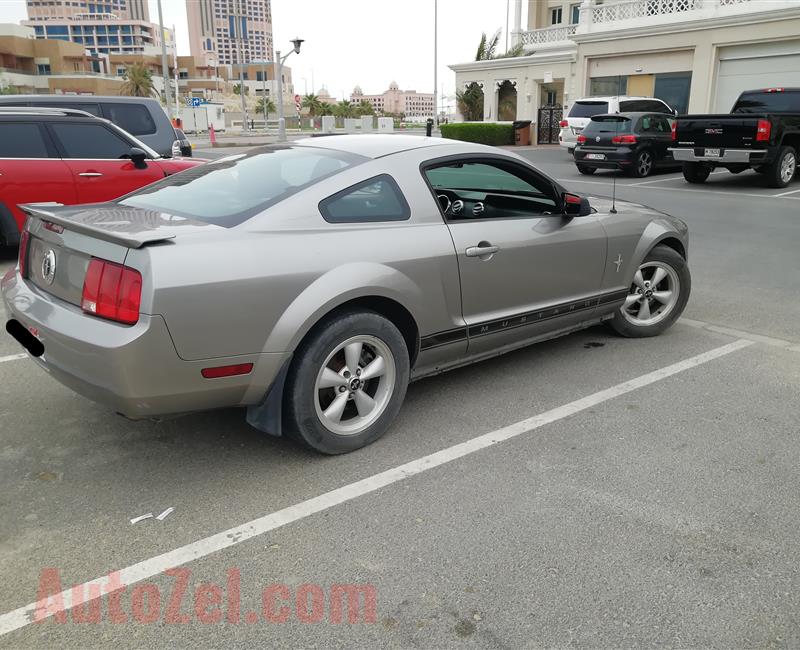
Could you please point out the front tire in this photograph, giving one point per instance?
(586, 171)
(657, 296)
(781, 172)
(696, 173)
(346, 383)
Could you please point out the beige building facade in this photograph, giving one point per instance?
(697, 55)
(395, 100)
(230, 31)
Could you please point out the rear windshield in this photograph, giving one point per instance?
(610, 124)
(134, 118)
(587, 109)
(787, 101)
(229, 191)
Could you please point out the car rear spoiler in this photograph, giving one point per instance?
(99, 230)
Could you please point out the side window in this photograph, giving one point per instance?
(632, 106)
(134, 118)
(655, 106)
(501, 190)
(377, 199)
(647, 124)
(660, 124)
(93, 141)
(22, 140)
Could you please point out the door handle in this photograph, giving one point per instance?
(481, 250)
(90, 174)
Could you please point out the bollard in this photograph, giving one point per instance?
(429, 127)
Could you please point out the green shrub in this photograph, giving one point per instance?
(481, 132)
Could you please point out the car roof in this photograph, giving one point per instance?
(631, 115)
(39, 111)
(76, 99)
(372, 145)
(622, 98)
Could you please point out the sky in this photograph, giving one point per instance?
(364, 42)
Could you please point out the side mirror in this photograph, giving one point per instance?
(138, 158)
(575, 205)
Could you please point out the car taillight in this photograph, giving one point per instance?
(24, 240)
(581, 138)
(623, 139)
(112, 291)
(563, 124)
(674, 131)
(763, 130)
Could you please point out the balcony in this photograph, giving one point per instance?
(614, 15)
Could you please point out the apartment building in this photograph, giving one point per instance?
(230, 31)
(394, 100)
(101, 26)
(697, 55)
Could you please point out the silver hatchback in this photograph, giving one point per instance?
(311, 282)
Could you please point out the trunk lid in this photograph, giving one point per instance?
(64, 239)
(723, 131)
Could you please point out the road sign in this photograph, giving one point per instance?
(194, 101)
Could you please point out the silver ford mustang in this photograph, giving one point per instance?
(311, 282)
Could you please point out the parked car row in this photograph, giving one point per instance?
(68, 156)
(762, 132)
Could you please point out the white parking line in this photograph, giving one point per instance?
(13, 357)
(787, 193)
(675, 177)
(732, 194)
(794, 346)
(24, 616)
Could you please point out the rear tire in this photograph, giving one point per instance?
(657, 296)
(586, 171)
(643, 164)
(781, 172)
(696, 173)
(329, 406)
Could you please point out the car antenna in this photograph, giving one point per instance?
(613, 209)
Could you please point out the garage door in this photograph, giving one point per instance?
(746, 67)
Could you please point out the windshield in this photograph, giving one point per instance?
(229, 191)
(588, 108)
(766, 102)
(608, 124)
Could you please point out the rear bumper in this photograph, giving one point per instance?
(132, 370)
(727, 156)
(566, 138)
(616, 158)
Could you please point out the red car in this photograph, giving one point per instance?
(67, 156)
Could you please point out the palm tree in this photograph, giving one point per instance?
(313, 104)
(138, 82)
(265, 104)
(237, 89)
(470, 103)
(344, 108)
(487, 47)
(365, 108)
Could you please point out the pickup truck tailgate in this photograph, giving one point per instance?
(718, 131)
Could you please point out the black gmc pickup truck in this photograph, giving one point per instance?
(762, 132)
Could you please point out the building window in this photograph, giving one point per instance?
(43, 68)
(575, 14)
(555, 16)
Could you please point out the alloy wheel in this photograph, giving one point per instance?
(354, 385)
(788, 167)
(653, 294)
(644, 163)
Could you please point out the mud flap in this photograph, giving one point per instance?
(267, 415)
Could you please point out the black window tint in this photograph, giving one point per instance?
(768, 102)
(631, 106)
(611, 124)
(18, 140)
(134, 118)
(378, 199)
(654, 106)
(587, 109)
(90, 141)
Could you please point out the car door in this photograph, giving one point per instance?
(662, 135)
(30, 172)
(525, 268)
(99, 160)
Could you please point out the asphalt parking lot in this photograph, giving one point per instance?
(589, 491)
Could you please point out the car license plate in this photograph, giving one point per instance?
(596, 156)
(712, 153)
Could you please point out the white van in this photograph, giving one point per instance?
(582, 111)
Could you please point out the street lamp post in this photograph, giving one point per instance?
(435, 57)
(164, 66)
(281, 120)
